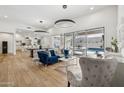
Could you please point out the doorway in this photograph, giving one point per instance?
(4, 47)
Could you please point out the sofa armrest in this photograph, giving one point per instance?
(74, 78)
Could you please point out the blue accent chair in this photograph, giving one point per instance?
(46, 59)
(52, 52)
(66, 53)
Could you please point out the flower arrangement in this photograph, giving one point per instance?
(114, 44)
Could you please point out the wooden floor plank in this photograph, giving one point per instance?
(21, 71)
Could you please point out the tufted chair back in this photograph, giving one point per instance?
(52, 52)
(97, 72)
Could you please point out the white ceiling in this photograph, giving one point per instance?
(32, 14)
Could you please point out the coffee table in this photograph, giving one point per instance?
(66, 60)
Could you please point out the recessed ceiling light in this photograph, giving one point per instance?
(64, 6)
(91, 8)
(5, 16)
(41, 21)
(28, 27)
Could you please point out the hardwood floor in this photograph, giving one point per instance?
(21, 71)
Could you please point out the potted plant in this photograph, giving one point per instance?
(114, 44)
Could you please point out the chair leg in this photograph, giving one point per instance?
(68, 84)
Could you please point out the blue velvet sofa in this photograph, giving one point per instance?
(46, 59)
(52, 52)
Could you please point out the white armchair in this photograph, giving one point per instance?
(92, 73)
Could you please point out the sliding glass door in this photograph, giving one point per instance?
(95, 42)
(69, 41)
(80, 43)
(88, 42)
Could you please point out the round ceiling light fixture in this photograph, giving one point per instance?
(64, 23)
(40, 31)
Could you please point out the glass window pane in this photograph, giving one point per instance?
(80, 43)
(69, 42)
(95, 42)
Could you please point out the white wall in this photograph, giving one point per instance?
(120, 28)
(9, 38)
(10, 27)
(104, 18)
(121, 14)
(20, 37)
(8, 30)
